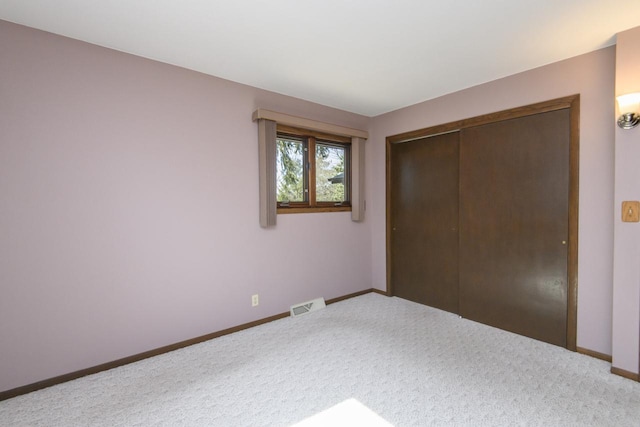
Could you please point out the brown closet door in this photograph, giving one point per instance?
(514, 192)
(424, 221)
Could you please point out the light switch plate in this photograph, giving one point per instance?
(630, 211)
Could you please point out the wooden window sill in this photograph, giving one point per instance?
(313, 209)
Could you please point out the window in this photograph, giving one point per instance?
(312, 171)
(318, 166)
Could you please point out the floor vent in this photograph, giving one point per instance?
(306, 307)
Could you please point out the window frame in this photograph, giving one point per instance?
(266, 127)
(311, 139)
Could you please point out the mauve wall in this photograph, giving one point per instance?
(591, 76)
(129, 209)
(626, 277)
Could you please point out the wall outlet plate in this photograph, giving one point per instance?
(631, 211)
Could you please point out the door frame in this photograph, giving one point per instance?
(569, 102)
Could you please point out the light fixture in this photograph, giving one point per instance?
(629, 106)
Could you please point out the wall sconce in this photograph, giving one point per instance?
(629, 107)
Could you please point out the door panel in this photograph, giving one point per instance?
(424, 221)
(514, 210)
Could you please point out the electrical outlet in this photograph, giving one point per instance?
(631, 211)
(255, 300)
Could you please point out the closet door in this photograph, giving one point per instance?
(514, 214)
(424, 221)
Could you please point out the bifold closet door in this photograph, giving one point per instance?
(424, 221)
(514, 211)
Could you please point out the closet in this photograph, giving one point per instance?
(482, 219)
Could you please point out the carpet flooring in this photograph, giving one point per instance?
(370, 360)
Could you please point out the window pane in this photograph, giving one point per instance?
(330, 172)
(290, 170)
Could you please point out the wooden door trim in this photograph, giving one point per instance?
(573, 104)
(572, 261)
(527, 110)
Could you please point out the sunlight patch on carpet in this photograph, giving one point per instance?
(347, 413)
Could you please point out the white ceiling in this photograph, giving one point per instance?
(363, 56)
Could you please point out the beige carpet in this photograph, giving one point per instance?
(371, 360)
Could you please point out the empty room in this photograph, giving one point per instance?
(251, 213)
